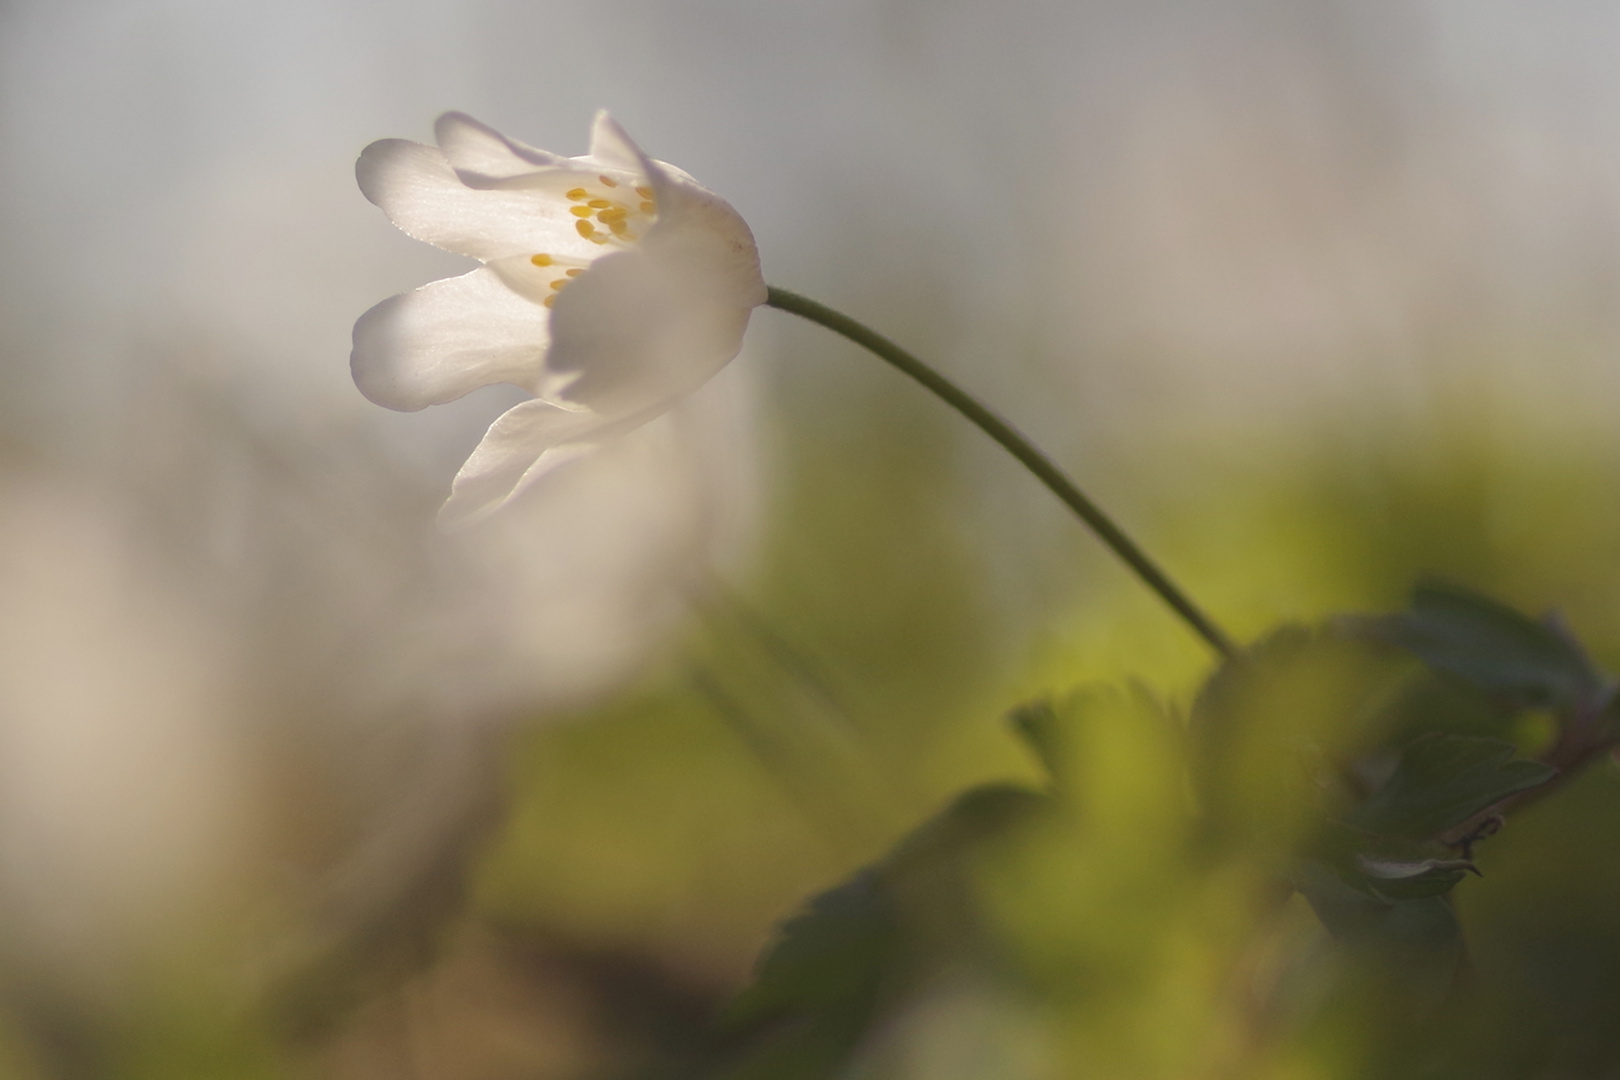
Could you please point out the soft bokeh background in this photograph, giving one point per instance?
(1314, 296)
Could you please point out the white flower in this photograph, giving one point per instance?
(612, 286)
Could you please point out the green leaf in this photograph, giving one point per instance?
(832, 956)
(1037, 725)
(1493, 647)
(857, 949)
(978, 815)
(1438, 701)
(1385, 868)
(1410, 879)
(1353, 916)
(1270, 722)
(1442, 781)
(1413, 946)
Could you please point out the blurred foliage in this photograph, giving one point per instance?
(1149, 924)
(1268, 869)
(1276, 878)
(1328, 857)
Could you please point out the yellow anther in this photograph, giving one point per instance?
(578, 193)
(581, 211)
(609, 181)
(645, 192)
(620, 229)
(541, 259)
(608, 217)
(647, 207)
(586, 229)
(548, 301)
(559, 283)
(573, 273)
(599, 204)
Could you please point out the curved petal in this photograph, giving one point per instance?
(703, 232)
(610, 146)
(695, 225)
(446, 339)
(522, 445)
(478, 152)
(700, 231)
(419, 191)
(635, 333)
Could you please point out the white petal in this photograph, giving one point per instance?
(696, 225)
(478, 152)
(702, 231)
(448, 338)
(635, 333)
(523, 444)
(419, 191)
(611, 147)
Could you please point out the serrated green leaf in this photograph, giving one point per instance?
(1037, 725)
(1491, 646)
(1442, 781)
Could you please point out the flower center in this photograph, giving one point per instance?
(609, 215)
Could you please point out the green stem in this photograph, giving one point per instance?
(1020, 448)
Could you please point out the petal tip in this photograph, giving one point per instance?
(386, 164)
(612, 146)
(371, 364)
(480, 154)
(456, 125)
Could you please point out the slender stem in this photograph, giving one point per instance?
(1020, 448)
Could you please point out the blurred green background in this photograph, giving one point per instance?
(1314, 297)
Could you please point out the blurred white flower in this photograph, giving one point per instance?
(612, 287)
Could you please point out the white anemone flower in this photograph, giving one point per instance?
(612, 286)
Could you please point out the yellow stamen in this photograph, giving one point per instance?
(541, 259)
(645, 192)
(581, 211)
(609, 181)
(586, 229)
(608, 217)
(578, 193)
(573, 273)
(647, 207)
(559, 283)
(599, 204)
(548, 301)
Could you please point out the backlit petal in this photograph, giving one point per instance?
(478, 152)
(523, 444)
(445, 339)
(419, 191)
(701, 232)
(611, 147)
(635, 333)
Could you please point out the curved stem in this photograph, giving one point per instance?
(1020, 448)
